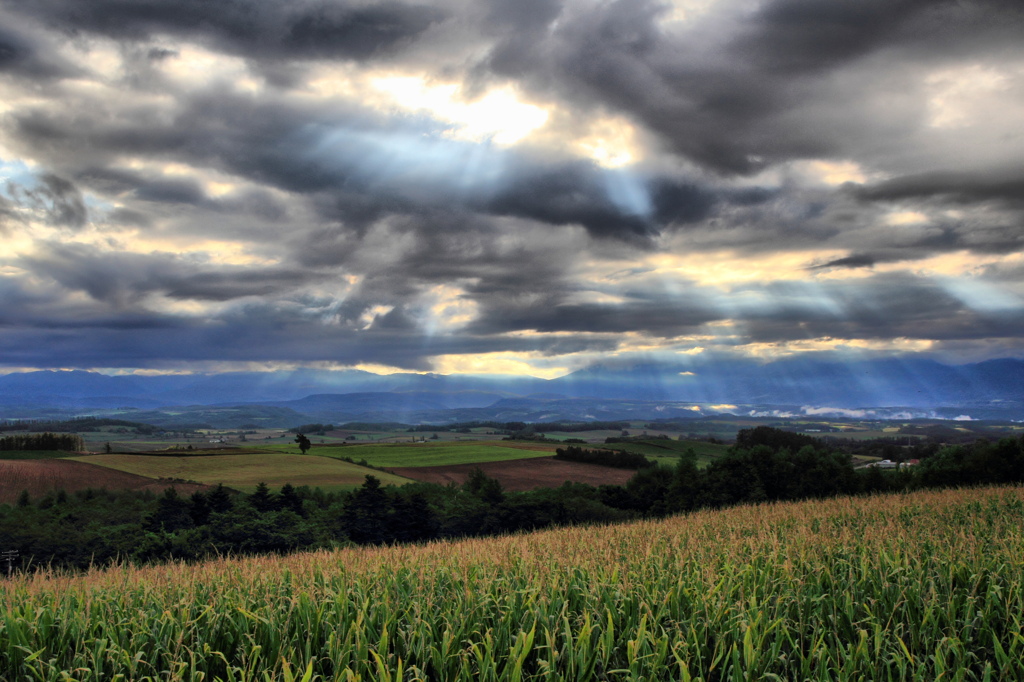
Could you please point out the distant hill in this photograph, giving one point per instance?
(81, 389)
(909, 382)
(612, 390)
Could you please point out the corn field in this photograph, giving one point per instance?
(923, 586)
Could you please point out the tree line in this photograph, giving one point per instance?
(316, 428)
(77, 424)
(43, 441)
(609, 458)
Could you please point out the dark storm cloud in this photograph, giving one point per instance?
(480, 254)
(496, 277)
(359, 32)
(855, 261)
(500, 277)
(31, 310)
(16, 302)
(27, 55)
(157, 54)
(678, 203)
(303, 30)
(154, 188)
(580, 193)
(962, 187)
(356, 167)
(520, 25)
(122, 183)
(58, 199)
(567, 194)
(892, 255)
(525, 15)
(256, 333)
(222, 286)
(14, 51)
(658, 316)
(127, 216)
(8, 216)
(122, 279)
(358, 172)
(882, 307)
(738, 93)
(807, 35)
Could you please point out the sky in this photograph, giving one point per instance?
(529, 187)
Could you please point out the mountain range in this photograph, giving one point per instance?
(993, 389)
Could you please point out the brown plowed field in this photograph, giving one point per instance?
(40, 476)
(522, 474)
(526, 445)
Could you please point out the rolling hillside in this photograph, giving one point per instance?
(905, 587)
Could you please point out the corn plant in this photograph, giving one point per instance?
(923, 586)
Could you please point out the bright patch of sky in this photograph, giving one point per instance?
(529, 364)
(498, 115)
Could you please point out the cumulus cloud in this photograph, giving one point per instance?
(959, 187)
(122, 279)
(58, 199)
(307, 30)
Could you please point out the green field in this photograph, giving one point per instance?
(429, 454)
(364, 437)
(667, 452)
(244, 472)
(923, 586)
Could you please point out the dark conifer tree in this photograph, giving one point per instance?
(220, 500)
(289, 500)
(199, 508)
(413, 520)
(682, 490)
(483, 486)
(366, 515)
(261, 499)
(172, 513)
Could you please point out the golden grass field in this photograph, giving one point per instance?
(243, 472)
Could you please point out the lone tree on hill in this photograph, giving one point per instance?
(303, 442)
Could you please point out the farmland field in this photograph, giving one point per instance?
(851, 434)
(667, 452)
(922, 586)
(41, 476)
(244, 472)
(522, 474)
(433, 454)
(592, 437)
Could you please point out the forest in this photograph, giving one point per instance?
(41, 441)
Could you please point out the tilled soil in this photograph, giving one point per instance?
(522, 474)
(40, 476)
